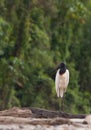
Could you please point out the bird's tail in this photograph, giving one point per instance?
(60, 93)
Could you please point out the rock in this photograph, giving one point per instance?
(87, 119)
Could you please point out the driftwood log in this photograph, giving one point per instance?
(42, 113)
(33, 121)
(16, 112)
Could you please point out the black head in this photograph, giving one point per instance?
(61, 65)
(62, 68)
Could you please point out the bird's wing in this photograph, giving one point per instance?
(67, 77)
(57, 82)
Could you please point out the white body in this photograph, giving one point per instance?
(61, 82)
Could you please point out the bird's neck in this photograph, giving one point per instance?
(62, 71)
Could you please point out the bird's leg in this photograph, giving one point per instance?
(60, 104)
(59, 100)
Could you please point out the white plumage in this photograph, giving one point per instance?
(61, 82)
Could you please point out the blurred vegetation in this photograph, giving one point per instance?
(35, 36)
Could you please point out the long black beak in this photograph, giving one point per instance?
(55, 69)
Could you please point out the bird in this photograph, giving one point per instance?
(61, 79)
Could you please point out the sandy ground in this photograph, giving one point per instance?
(43, 127)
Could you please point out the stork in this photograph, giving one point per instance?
(61, 79)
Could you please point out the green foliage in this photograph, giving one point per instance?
(35, 36)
